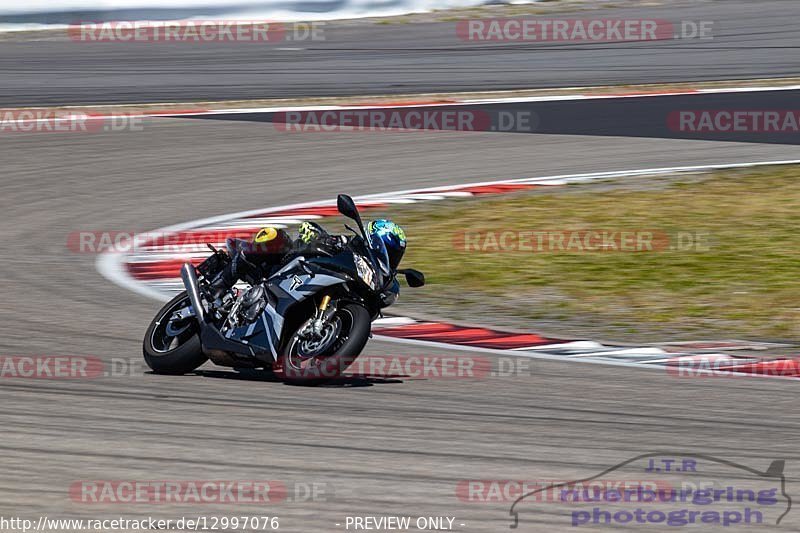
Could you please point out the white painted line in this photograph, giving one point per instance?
(487, 101)
(573, 345)
(393, 321)
(527, 355)
(508, 100)
(627, 352)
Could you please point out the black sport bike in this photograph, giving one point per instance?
(307, 322)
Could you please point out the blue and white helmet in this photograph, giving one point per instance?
(393, 237)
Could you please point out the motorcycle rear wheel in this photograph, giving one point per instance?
(176, 354)
(352, 335)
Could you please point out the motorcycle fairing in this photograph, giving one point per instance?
(262, 337)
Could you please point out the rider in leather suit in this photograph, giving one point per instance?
(270, 249)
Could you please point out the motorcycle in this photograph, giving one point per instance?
(307, 322)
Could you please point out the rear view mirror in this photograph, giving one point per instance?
(414, 278)
(347, 207)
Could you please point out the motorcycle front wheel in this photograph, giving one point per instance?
(171, 348)
(313, 362)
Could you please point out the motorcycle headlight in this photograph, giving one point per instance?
(365, 271)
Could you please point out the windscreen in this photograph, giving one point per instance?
(380, 253)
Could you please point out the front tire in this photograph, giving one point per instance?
(168, 350)
(355, 323)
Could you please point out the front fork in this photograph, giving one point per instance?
(322, 315)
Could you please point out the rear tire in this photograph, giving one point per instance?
(174, 355)
(328, 367)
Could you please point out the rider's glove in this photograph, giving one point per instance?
(310, 231)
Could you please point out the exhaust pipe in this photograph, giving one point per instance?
(213, 343)
(190, 282)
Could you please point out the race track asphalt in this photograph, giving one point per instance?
(384, 447)
(751, 39)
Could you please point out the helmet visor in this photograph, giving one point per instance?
(380, 253)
